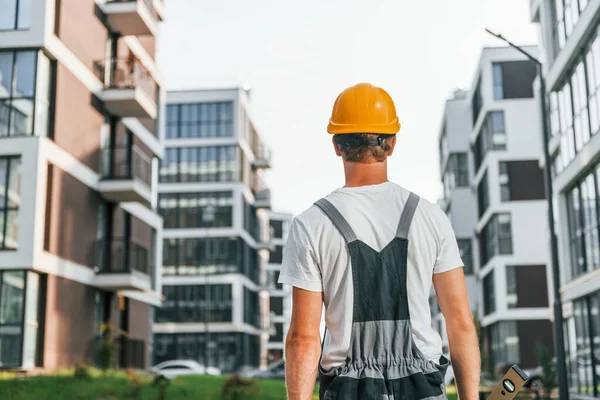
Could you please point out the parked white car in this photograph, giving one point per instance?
(173, 368)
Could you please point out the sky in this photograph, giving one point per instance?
(297, 56)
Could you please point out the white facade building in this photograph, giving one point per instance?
(217, 238)
(280, 295)
(570, 33)
(459, 201)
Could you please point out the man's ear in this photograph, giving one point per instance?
(336, 147)
(392, 146)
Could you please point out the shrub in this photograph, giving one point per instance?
(137, 382)
(548, 379)
(237, 388)
(82, 372)
(161, 382)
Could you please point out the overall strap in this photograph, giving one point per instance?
(407, 215)
(337, 219)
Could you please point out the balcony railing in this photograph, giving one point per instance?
(148, 3)
(122, 163)
(122, 256)
(132, 353)
(124, 73)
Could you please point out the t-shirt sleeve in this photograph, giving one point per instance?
(448, 256)
(299, 267)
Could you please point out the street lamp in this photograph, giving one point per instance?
(558, 315)
(208, 217)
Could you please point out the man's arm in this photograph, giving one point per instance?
(462, 336)
(303, 344)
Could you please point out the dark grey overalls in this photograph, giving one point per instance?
(383, 362)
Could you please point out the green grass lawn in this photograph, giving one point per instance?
(117, 386)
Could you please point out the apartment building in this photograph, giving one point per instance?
(217, 236)
(280, 303)
(81, 111)
(459, 201)
(511, 208)
(570, 37)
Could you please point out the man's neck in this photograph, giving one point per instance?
(362, 174)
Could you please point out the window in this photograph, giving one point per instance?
(575, 107)
(512, 297)
(278, 336)
(457, 172)
(495, 238)
(489, 296)
(477, 102)
(200, 164)
(18, 104)
(195, 304)
(520, 292)
(465, 247)
(251, 307)
(513, 79)
(277, 305)
(483, 196)
(444, 146)
(200, 120)
(521, 180)
(277, 228)
(504, 343)
(228, 351)
(12, 303)
(15, 15)
(567, 14)
(492, 136)
(10, 200)
(276, 256)
(582, 206)
(197, 209)
(209, 256)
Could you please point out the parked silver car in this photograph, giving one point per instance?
(174, 368)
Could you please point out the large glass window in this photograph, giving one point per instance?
(495, 238)
(492, 136)
(15, 15)
(12, 301)
(567, 14)
(457, 172)
(483, 195)
(504, 343)
(521, 180)
(196, 304)
(199, 120)
(18, 103)
(10, 200)
(228, 351)
(477, 102)
(209, 256)
(276, 228)
(575, 109)
(513, 79)
(584, 236)
(465, 247)
(489, 294)
(200, 164)
(196, 210)
(251, 307)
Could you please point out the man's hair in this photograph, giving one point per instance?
(364, 147)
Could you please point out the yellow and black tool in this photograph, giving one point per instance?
(510, 385)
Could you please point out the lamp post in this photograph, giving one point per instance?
(558, 314)
(208, 217)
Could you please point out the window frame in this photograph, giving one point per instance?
(5, 208)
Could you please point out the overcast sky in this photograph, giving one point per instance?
(298, 55)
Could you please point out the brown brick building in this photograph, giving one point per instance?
(81, 127)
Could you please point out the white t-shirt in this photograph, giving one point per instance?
(316, 258)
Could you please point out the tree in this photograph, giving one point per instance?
(548, 379)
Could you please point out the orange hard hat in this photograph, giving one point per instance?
(364, 108)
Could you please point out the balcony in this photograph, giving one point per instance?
(126, 175)
(262, 198)
(131, 17)
(122, 264)
(262, 159)
(129, 89)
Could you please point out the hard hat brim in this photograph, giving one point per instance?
(341, 129)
